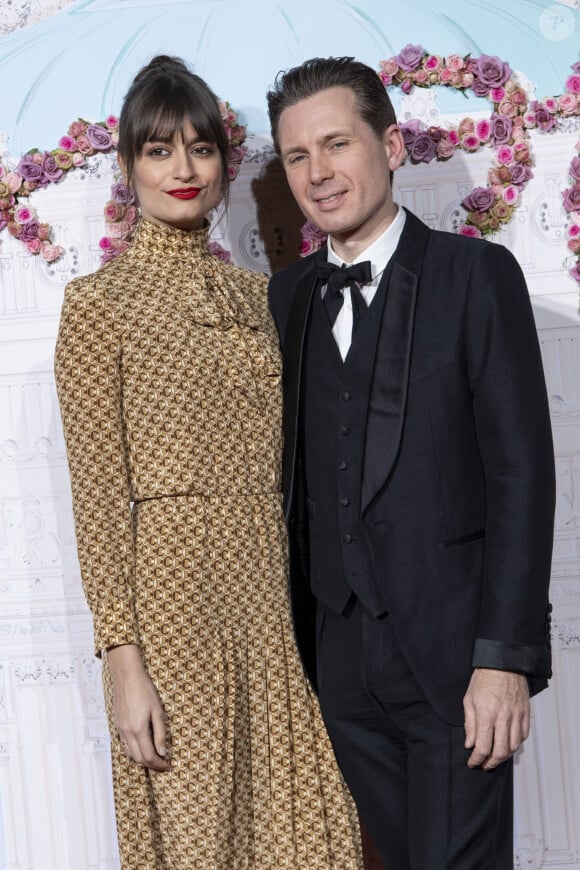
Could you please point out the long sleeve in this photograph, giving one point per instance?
(89, 384)
(513, 431)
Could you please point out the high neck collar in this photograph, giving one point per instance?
(170, 241)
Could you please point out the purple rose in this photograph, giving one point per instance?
(29, 230)
(491, 70)
(520, 174)
(480, 199)
(479, 88)
(410, 56)
(576, 67)
(410, 130)
(100, 139)
(501, 130)
(544, 119)
(571, 198)
(120, 192)
(29, 169)
(423, 149)
(575, 169)
(50, 169)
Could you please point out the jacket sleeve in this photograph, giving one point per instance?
(88, 378)
(513, 430)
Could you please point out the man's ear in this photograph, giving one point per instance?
(394, 146)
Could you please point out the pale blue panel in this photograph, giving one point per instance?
(82, 60)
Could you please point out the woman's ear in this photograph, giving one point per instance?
(123, 167)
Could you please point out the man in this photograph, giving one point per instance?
(419, 484)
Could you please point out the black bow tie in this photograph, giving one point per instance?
(338, 277)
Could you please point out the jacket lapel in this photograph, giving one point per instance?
(388, 396)
(293, 347)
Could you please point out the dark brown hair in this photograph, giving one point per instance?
(165, 95)
(319, 74)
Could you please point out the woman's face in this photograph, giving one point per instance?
(178, 182)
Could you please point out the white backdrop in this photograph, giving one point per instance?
(55, 793)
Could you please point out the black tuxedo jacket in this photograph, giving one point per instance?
(457, 489)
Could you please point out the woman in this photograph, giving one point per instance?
(169, 383)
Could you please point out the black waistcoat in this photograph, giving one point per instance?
(335, 402)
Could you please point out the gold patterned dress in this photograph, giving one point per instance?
(168, 375)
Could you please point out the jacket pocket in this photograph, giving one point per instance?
(463, 539)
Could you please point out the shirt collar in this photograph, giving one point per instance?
(380, 251)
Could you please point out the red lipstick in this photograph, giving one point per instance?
(184, 192)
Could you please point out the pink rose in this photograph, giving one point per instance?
(445, 76)
(573, 84)
(22, 214)
(551, 104)
(131, 214)
(112, 123)
(44, 232)
(13, 180)
(50, 253)
(445, 148)
(470, 142)
(497, 94)
(14, 229)
(119, 230)
(518, 96)
(454, 137)
(67, 143)
(454, 62)
(574, 245)
(84, 146)
(114, 211)
(466, 125)
(106, 244)
(38, 158)
(567, 104)
(510, 194)
(470, 232)
(32, 245)
(432, 62)
(457, 79)
(407, 86)
(389, 67)
(530, 120)
(507, 109)
(505, 154)
(522, 153)
(574, 231)
(467, 80)
(78, 160)
(483, 130)
(77, 128)
(385, 78)
(421, 77)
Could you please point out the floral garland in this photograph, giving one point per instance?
(571, 197)
(506, 131)
(38, 169)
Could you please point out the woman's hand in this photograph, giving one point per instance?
(137, 708)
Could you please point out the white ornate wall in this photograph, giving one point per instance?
(55, 793)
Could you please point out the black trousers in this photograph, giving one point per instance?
(406, 767)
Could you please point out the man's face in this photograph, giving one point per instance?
(338, 168)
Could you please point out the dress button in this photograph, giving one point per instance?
(345, 502)
(342, 465)
(347, 539)
(346, 396)
(344, 430)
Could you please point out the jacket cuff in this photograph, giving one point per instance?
(532, 660)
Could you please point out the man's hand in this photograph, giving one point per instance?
(137, 708)
(497, 716)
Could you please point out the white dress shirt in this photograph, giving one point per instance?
(379, 253)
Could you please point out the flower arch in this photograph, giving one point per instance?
(506, 131)
(487, 208)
